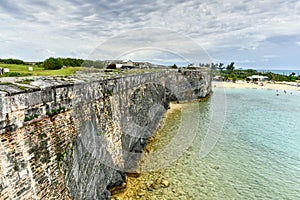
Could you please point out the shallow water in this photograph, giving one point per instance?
(257, 155)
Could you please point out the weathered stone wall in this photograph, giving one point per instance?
(74, 138)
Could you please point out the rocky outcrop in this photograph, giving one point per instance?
(74, 138)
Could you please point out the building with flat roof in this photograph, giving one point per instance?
(258, 77)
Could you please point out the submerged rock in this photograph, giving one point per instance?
(165, 183)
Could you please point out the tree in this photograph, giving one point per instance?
(213, 66)
(230, 67)
(12, 61)
(174, 66)
(220, 67)
(293, 74)
(52, 63)
(234, 78)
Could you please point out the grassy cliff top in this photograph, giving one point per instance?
(22, 70)
(19, 70)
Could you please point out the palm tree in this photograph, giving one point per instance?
(220, 67)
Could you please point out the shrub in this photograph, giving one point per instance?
(52, 63)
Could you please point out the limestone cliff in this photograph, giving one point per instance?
(74, 138)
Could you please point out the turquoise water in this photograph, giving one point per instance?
(257, 155)
(259, 150)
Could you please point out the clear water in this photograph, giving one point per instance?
(256, 157)
(281, 71)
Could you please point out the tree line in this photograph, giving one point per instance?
(57, 63)
(229, 72)
(12, 61)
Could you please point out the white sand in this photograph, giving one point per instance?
(243, 84)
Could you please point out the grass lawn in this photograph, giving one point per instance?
(37, 71)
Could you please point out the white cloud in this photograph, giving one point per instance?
(75, 27)
(270, 56)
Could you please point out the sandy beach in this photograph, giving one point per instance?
(243, 84)
(173, 107)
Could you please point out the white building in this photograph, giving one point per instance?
(118, 66)
(259, 78)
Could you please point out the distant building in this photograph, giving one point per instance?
(111, 66)
(118, 66)
(259, 78)
(128, 64)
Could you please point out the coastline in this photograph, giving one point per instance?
(266, 85)
(173, 107)
(192, 178)
(138, 185)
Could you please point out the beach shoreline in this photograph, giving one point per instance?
(280, 86)
(137, 184)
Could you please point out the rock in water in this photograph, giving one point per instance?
(165, 183)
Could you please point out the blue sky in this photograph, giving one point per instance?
(253, 34)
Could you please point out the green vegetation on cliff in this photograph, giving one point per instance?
(57, 63)
(22, 70)
(49, 67)
(12, 61)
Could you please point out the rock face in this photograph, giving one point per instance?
(75, 138)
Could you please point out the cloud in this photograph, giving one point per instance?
(221, 27)
(270, 56)
(155, 56)
(142, 40)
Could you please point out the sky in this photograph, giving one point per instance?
(259, 34)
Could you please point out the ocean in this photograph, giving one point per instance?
(255, 156)
(281, 71)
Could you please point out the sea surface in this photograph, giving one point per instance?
(256, 155)
(286, 72)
